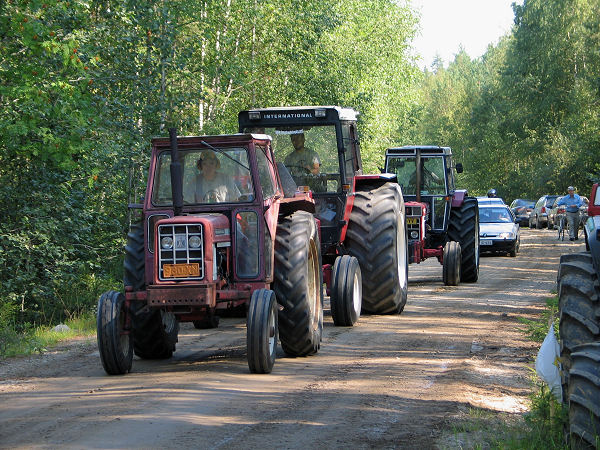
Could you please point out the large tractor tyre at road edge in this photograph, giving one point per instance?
(298, 284)
(154, 332)
(464, 229)
(346, 291)
(261, 331)
(579, 305)
(114, 342)
(583, 395)
(376, 236)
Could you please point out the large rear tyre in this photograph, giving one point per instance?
(376, 236)
(464, 229)
(154, 332)
(451, 263)
(346, 291)
(579, 305)
(133, 273)
(584, 395)
(298, 284)
(261, 331)
(114, 342)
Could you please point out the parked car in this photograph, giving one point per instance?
(583, 211)
(490, 201)
(539, 215)
(521, 208)
(554, 212)
(498, 230)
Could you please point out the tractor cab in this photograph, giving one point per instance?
(319, 148)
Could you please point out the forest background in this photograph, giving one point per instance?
(84, 85)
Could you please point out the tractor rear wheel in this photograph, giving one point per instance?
(114, 342)
(154, 332)
(583, 395)
(376, 236)
(261, 331)
(464, 229)
(346, 291)
(451, 263)
(579, 305)
(133, 273)
(298, 284)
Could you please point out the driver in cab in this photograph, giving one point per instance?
(213, 186)
(302, 160)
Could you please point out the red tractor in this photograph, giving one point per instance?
(441, 221)
(216, 233)
(363, 237)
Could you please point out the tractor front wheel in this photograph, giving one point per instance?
(114, 341)
(346, 291)
(452, 263)
(261, 331)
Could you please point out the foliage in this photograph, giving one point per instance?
(524, 118)
(537, 329)
(85, 84)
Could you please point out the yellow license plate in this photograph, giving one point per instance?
(412, 220)
(181, 270)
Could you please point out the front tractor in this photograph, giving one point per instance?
(363, 239)
(216, 233)
(441, 221)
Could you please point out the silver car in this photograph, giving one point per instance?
(498, 230)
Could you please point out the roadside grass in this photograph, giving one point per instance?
(39, 339)
(540, 428)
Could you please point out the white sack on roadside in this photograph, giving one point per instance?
(547, 363)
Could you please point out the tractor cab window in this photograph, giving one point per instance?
(310, 154)
(218, 175)
(432, 175)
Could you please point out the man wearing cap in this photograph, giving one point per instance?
(572, 202)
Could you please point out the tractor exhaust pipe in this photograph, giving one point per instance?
(176, 174)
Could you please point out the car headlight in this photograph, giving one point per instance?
(507, 235)
(166, 242)
(195, 242)
(414, 234)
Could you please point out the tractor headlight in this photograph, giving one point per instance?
(166, 242)
(414, 234)
(195, 242)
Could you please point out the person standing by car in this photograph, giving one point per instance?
(572, 202)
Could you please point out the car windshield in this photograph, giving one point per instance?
(522, 202)
(494, 215)
(432, 169)
(310, 154)
(550, 200)
(218, 175)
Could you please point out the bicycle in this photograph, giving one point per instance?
(562, 227)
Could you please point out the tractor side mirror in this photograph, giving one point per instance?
(459, 168)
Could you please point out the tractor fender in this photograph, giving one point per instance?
(301, 202)
(373, 180)
(458, 197)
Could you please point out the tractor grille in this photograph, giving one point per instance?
(184, 261)
(413, 222)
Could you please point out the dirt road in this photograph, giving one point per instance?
(390, 382)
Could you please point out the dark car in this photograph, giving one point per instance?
(521, 208)
(539, 215)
